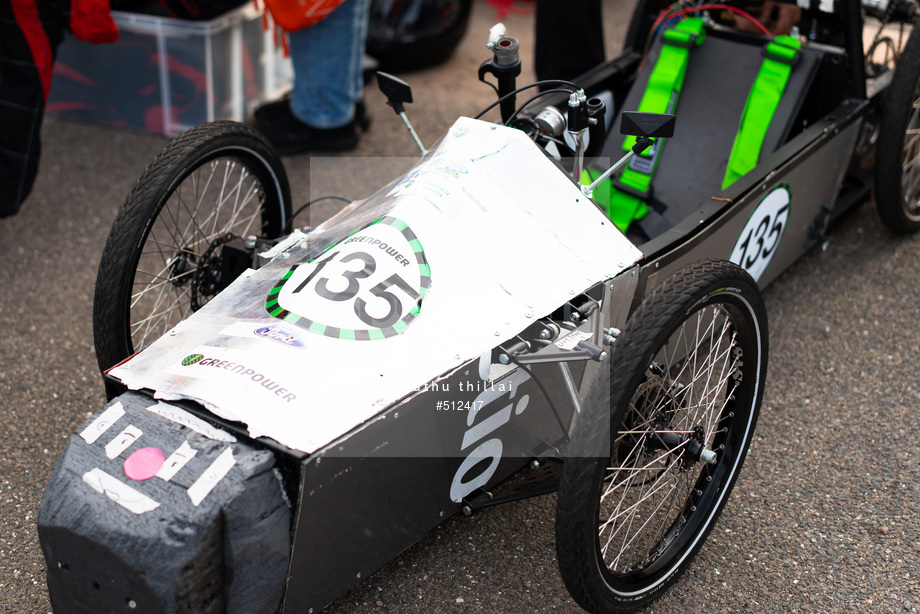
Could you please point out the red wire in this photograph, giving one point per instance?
(693, 9)
(660, 18)
(723, 7)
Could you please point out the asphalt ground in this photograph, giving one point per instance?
(824, 517)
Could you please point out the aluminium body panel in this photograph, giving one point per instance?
(375, 492)
(780, 207)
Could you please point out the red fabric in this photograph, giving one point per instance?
(503, 8)
(30, 24)
(91, 21)
(299, 14)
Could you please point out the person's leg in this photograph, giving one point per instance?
(320, 113)
(28, 40)
(327, 60)
(569, 38)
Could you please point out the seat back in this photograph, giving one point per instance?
(691, 165)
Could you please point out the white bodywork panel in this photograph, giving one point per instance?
(503, 236)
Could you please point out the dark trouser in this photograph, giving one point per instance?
(28, 42)
(569, 38)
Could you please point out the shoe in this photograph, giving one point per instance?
(288, 135)
(270, 112)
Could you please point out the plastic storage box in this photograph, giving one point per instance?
(167, 75)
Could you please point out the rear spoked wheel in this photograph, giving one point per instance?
(164, 256)
(897, 161)
(661, 437)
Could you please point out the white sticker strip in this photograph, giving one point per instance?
(176, 461)
(122, 441)
(180, 416)
(571, 340)
(102, 423)
(211, 477)
(119, 492)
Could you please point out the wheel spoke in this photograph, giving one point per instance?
(911, 152)
(661, 484)
(152, 323)
(161, 283)
(217, 198)
(674, 421)
(911, 184)
(645, 496)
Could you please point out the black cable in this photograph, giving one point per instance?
(574, 87)
(290, 225)
(532, 129)
(531, 99)
(492, 86)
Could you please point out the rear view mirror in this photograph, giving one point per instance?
(643, 126)
(396, 90)
(648, 125)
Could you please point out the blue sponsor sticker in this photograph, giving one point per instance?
(281, 335)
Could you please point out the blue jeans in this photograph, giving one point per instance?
(327, 60)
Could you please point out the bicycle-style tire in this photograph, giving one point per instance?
(897, 158)
(215, 182)
(661, 437)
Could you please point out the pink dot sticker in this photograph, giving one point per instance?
(143, 464)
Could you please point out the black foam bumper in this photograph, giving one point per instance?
(152, 510)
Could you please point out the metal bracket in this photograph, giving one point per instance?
(816, 231)
(542, 479)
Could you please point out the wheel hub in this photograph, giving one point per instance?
(181, 267)
(696, 451)
(659, 403)
(206, 280)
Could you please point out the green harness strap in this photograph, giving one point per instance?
(780, 56)
(660, 96)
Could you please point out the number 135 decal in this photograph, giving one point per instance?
(760, 237)
(369, 286)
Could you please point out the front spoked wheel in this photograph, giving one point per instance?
(661, 437)
(164, 256)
